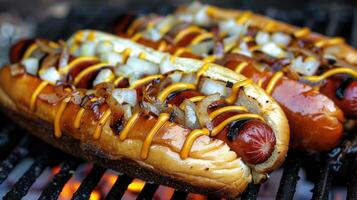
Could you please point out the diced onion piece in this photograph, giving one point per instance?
(202, 48)
(88, 49)
(231, 27)
(105, 75)
(138, 67)
(165, 22)
(272, 49)
(281, 38)
(179, 115)
(127, 111)
(189, 78)
(243, 49)
(212, 87)
(175, 77)
(262, 38)
(191, 120)
(123, 95)
(202, 113)
(201, 17)
(307, 68)
(152, 34)
(166, 65)
(104, 47)
(51, 75)
(150, 107)
(112, 58)
(31, 65)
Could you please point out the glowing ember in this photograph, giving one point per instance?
(136, 186)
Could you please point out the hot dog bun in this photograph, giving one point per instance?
(211, 168)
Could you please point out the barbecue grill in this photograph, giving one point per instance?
(16, 146)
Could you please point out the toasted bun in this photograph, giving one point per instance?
(211, 169)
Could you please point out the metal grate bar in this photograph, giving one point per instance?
(148, 191)
(89, 183)
(119, 187)
(179, 195)
(354, 29)
(352, 184)
(11, 161)
(290, 176)
(251, 192)
(323, 184)
(54, 188)
(22, 186)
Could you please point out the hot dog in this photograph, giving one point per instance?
(180, 122)
(251, 44)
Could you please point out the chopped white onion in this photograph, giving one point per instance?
(105, 75)
(150, 107)
(273, 50)
(189, 78)
(175, 77)
(88, 49)
(104, 47)
(281, 38)
(231, 27)
(306, 68)
(191, 119)
(138, 67)
(166, 65)
(212, 87)
(165, 22)
(31, 65)
(51, 75)
(112, 58)
(202, 108)
(202, 48)
(243, 49)
(201, 17)
(152, 34)
(127, 111)
(123, 95)
(262, 38)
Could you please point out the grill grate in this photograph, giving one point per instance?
(330, 163)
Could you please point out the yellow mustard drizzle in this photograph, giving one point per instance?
(133, 26)
(89, 70)
(302, 32)
(221, 126)
(142, 55)
(329, 42)
(240, 67)
(162, 45)
(332, 72)
(269, 26)
(124, 133)
(273, 81)
(186, 148)
(150, 136)
(118, 79)
(202, 70)
(192, 99)
(91, 36)
(30, 50)
(35, 94)
(244, 17)
(126, 53)
(101, 123)
(173, 88)
(186, 31)
(77, 61)
(210, 59)
(219, 111)
(136, 37)
(201, 37)
(235, 89)
(144, 80)
(58, 117)
(77, 119)
(180, 51)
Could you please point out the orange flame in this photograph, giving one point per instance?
(136, 186)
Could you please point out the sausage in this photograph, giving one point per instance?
(344, 93)
(315, 120)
